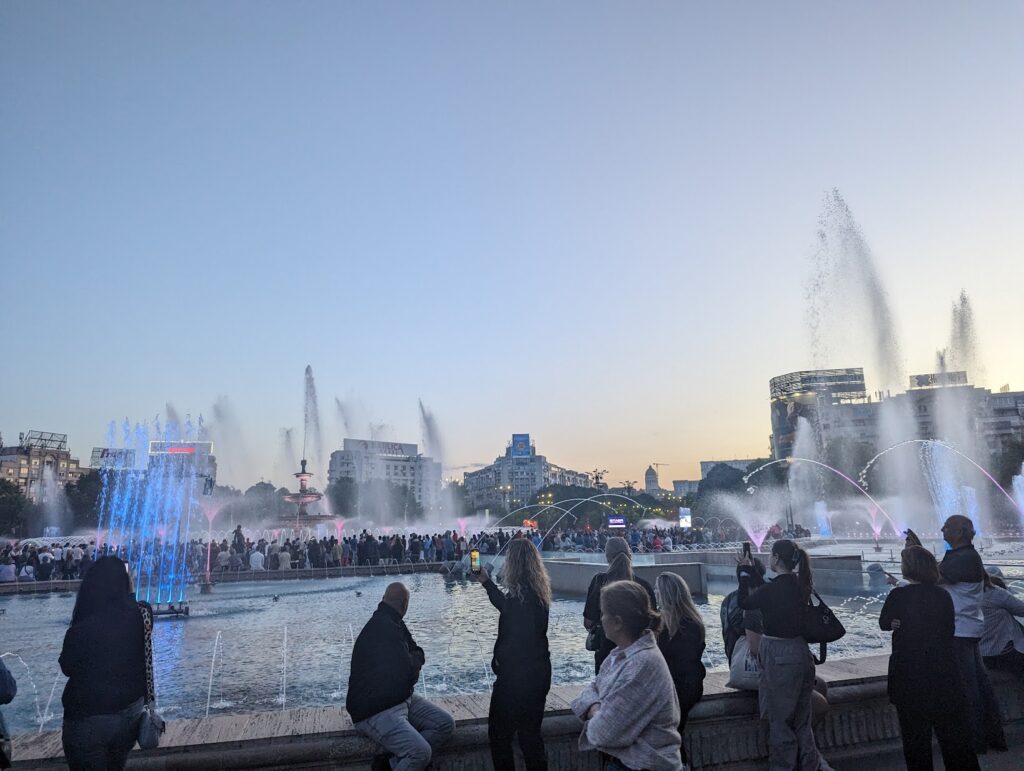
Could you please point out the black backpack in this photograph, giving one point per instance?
(732, 622)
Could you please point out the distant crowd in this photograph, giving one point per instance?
(240, 554)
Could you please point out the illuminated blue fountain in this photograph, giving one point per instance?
(150, 495)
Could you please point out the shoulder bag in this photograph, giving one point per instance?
(820, 625)
(151, 725)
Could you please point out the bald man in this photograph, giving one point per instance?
(963, 576)
(386, 664)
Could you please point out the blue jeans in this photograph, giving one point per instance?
(410, 731)
(101, 742)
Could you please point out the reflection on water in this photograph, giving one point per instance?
(452, 620)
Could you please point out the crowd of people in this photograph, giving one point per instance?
(241, 553)
(951, 621)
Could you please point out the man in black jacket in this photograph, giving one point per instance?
(386, 664)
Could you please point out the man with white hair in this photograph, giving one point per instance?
(963, 576)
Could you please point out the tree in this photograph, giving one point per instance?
(83, 499)
(342, 496)
(1008, 462)
(721, 478)
(13, 508)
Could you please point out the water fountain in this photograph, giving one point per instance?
(146, 511)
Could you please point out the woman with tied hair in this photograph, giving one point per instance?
(786, 679)
(924, 681)
(521, 659)
(630, 710)
(681, 642)
(104, 657)
(620, 568)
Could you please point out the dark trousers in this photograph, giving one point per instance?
(916, 726)
(687, 700)
(517, 707)
(101, 742)
(982, 708)
(1012, 661)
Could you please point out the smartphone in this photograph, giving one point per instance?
(474, 560)
(746, 549)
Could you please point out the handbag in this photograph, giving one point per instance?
(744, 669)
(820, 625)
(595, 637)
(151, 725)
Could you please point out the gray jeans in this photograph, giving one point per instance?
(101, 742)
(784, 694)
(410, 731)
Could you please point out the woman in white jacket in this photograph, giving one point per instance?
(1002, 642)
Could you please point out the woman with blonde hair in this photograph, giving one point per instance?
(620, 568)
(681, 642)
(521, 662)
(630, 708)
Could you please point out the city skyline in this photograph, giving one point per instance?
(593, 224)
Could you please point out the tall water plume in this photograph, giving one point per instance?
(847, 302)
(851, 323)
(229, 445)
(287, 459)
(311, 423)
(804, 480)
(962, 351)
(433, 446)
(345, 419)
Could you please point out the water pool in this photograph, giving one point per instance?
(295, 652)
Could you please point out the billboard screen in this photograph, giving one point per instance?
(616, 522)
(110, 457)
(520, 445)
(180, 448)
(685, 518)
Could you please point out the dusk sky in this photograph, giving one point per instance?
(589, 221)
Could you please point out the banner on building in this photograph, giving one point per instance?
(112, 457)
(685, 517)
(614, 522)
(520, 445)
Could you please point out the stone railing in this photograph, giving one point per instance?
(723, 731)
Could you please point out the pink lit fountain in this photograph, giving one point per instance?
(303, 498)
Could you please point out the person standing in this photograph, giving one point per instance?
(630, 710)
(521, 662)
(104, 658)
(620, 568)
(8, 690)
(681, 643)
(386, 664)
(963, 576)
(786, 678)
(1002, 644)
(924, 682)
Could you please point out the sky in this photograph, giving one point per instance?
(588, 221)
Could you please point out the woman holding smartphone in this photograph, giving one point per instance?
(786, 679)
(521, 662)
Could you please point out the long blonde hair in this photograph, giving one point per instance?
(525, 568)
(676, 603)
(620, 560)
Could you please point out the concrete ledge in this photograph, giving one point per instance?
(573, 578)
(723, 731)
